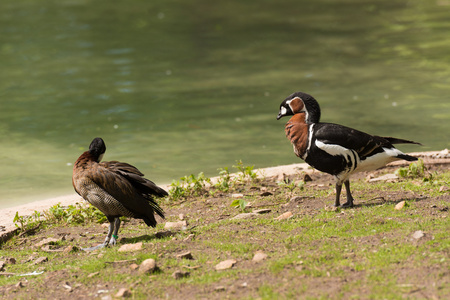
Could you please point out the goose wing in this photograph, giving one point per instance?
(125, 183)
(362, 143)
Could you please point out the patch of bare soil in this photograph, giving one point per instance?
(251, 278)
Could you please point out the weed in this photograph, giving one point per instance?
(27, 222)
(414, 170)
(192, 186)
(291, 186)
(74, 214)
(239, 203)
(189, 186)
(224, 182)
(246, 172)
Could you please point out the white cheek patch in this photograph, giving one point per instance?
(283, 110)
(100, 157)
(289, 103)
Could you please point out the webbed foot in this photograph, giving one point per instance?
(347, 204)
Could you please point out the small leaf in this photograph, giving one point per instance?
(235, 203)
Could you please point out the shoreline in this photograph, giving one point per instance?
(7, 214)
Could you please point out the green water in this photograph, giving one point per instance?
(179, 87)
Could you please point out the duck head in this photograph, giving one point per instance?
(97, 148)
(300, 103)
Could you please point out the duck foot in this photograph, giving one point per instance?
(347, 204)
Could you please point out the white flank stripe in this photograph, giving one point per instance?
(310, 135)
(334, 150)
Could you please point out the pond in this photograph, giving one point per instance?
(177, 87)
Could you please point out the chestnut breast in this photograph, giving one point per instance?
(297, 132)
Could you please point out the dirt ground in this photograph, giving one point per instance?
(247, 279)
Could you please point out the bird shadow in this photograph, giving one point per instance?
(377, 201)
(147, 237)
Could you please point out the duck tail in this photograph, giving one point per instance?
(407, 157)
(393, 140)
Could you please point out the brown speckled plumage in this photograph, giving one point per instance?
(115, 188)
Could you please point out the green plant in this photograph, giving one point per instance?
(292, 185)
(246, 172)
(26, 222)
(224, 182)
(414, 170)
(189, 186)
(74, 214)
(239, 203)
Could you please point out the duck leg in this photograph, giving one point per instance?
(337, 203)
(113, 240)
(108, 239)
(349, 202)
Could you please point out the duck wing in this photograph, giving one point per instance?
(126, 184)
(348, 138)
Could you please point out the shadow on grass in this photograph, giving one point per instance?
(381, 201)
(146, 237)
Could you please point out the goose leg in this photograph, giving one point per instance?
(114, 236)
(349, 202)
(108, 236)
(337, 203)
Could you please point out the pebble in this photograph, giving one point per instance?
(180, 225)
(387, 177)
(262, 211)
(259, 256)
(307, 178)
(185, 255)
(70, 249)
(180, 274)
(444, 188)
(226, 264)
(244, 216)
(93, 274)
(148, 266)
(400, 205)
(123, 293)
(219, 288)
(130, 247)
(134, 266)
(237, 196)
(284, 216)
(41, 260)
(418, 234)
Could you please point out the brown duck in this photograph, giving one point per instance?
(116, 189)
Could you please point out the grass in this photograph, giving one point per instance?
(364, 252)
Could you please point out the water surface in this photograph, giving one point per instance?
(177, 88)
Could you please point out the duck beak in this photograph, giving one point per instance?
(279, 116)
